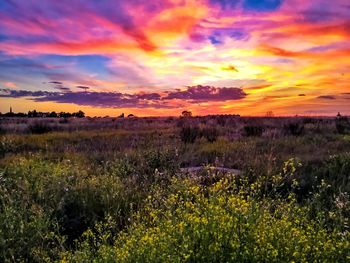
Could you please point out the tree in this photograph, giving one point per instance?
(269, 114)
(79, 114)
(32, 114)
(186, 114)
(53, 114)
(65, 114)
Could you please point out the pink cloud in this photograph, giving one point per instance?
(10, 84)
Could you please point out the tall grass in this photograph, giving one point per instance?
(116, 192)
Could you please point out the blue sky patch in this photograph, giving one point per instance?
(262, 5)
(215, 40)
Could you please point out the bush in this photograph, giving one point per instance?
(221, 120)
(342, 125)
(87, 203)
(220, 223)
(45, 206)
(63, 120)
(211, 134)
(160, 160)
(295, 129)
(39, 128)
(189, 134)
(253, 131)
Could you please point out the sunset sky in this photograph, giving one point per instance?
(161, 57)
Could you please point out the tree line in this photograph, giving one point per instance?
(39, 114)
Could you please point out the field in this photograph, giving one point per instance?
(193, 189)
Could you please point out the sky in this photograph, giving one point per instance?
(160, 57)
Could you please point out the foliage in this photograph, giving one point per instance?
(211, 134)
(48, 204)
(343, 125)
(91, 193)
(39, 128)
(226, 222)
(295, 128)
(186, 114)
(189, 134)
(250, 130)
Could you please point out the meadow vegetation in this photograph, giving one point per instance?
(113, 190)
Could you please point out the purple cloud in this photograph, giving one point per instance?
(149, 96)
(56, 82)
(85, 88)
(138, 100)
(9, 93)
(62, 88)
(95, 99)
(59, 86)
(201, 93)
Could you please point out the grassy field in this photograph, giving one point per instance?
(162, 190)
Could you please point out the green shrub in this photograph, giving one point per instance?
(56, 200)
(161, 160)
(222, 223)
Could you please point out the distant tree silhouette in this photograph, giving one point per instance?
(32, 114)
(79, 114)
(53, 115)
(65, 114)
(186, 114)
(39, 114)
(269, 114)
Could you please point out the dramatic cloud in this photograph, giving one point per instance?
(135, 53)
(137, 100)
(207, 93)
(8, 93)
